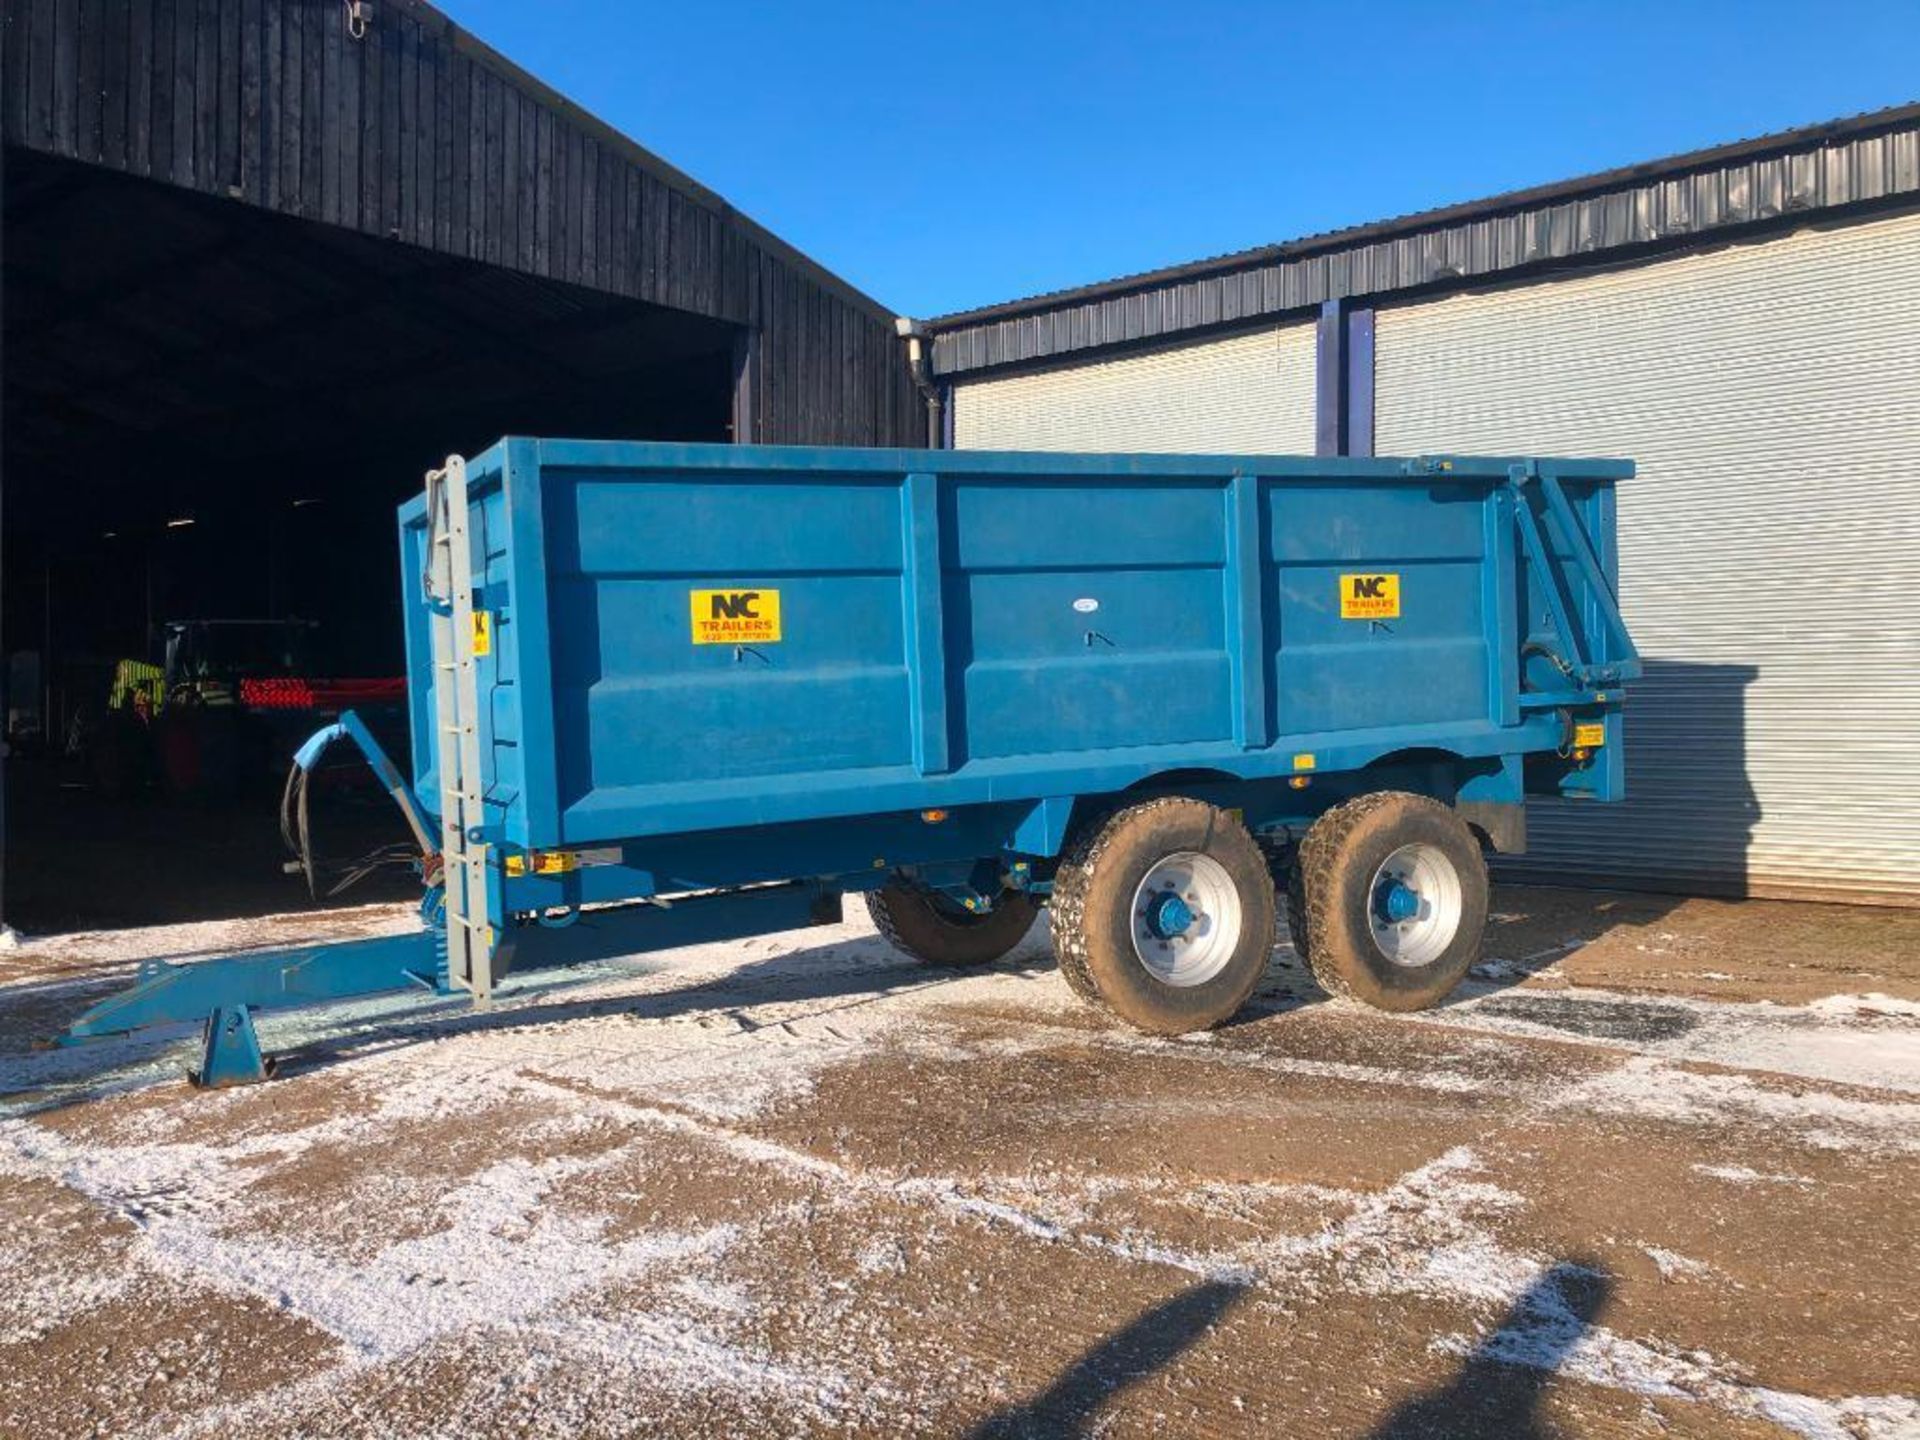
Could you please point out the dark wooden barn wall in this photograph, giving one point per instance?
(418, 134)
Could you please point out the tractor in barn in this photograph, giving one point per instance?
(220, 706)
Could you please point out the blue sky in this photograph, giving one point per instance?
(948, 155)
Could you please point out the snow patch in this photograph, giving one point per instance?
(1675, 1266)
(1747, 1175)
(1419, 1235)
(213, 937)
(1873, 1006)
(1648, 1087)
(1427, 1077)
(1865, 1040)
(1545, 1331)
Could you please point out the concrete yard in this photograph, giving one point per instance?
(1655, 1172)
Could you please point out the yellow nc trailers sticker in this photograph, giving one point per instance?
(736, 617)
(1370, 597)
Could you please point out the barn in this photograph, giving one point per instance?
(1744, 322)
(266, 261)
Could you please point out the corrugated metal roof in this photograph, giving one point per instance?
(1859, 160)
(637, 154)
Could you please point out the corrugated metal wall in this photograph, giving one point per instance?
(1822, 167)
(1246, 393)
(419, 133)
(1770, 547)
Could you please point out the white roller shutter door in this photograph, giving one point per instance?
(1250, 393)
(1770, 547)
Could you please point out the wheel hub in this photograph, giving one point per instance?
(1415, 905)
(1399, 902)
(1169, 916)
(1186, 919)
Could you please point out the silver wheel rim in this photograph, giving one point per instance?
(1186, 919)
(1414, 905)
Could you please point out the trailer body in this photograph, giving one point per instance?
(1000, 637)
(662, 692)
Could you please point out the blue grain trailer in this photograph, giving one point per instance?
(662, 693)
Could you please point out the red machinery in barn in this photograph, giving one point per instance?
(224, 706)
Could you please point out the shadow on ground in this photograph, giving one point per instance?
(1502, 1380)
(1069, 1406)
(1497, 1391)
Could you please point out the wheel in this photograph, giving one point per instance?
(1388, 900)
(931, 928)
(1166, 913)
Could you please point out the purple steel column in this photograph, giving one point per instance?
(1358, 429)
(1330, 380)
(1343, 380)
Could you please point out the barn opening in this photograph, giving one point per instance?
(211, 413)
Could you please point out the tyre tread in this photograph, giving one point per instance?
(1311, 918)
(880, 908)
(1072, 881)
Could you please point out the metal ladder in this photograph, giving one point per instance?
(456, 695)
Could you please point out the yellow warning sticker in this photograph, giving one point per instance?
(543, 862)
(1303, 761)
(1370, 597)
(1589, 737)
(482, 633)
(736, 617)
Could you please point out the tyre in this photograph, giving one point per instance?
(931, 928)
(1387, 902)
(1165, 913)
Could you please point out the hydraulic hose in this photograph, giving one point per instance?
(296, 828)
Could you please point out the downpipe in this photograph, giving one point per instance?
(914, 333)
